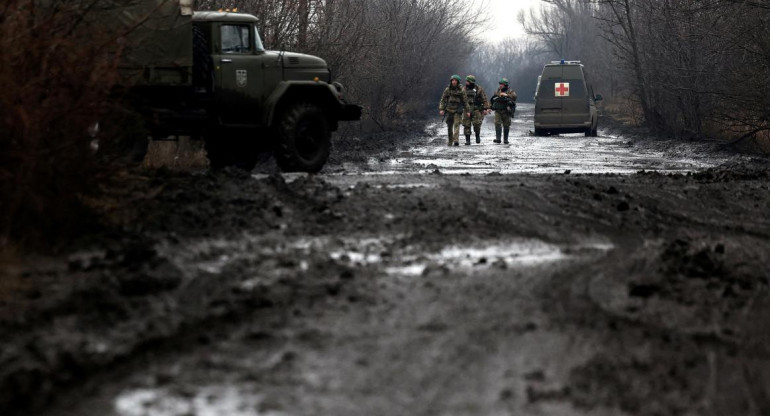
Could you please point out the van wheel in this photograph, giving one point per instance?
(304, 139)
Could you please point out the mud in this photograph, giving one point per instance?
(618, 275)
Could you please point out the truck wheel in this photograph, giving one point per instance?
(539, 132)
(304, 139)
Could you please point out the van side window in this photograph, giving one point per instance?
(235, 39)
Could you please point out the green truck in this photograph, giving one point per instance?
(206, 74)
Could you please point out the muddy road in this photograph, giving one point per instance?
(615, 275)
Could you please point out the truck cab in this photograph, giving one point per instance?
(263, 99)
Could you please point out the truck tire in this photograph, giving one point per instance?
(304, 139)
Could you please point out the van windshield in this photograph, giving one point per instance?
(568, 88)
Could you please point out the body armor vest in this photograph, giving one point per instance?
(454, 100)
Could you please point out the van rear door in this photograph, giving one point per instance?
(574, 98)
(548, 107)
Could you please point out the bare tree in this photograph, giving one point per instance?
(519, 60)
(692, 64)
(49, 98)
(568, 29)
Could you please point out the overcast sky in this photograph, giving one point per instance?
(504, 20)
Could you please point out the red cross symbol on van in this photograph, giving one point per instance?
(562, 89)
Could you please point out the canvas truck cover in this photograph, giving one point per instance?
(158, 39)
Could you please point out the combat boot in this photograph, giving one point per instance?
(467, 139)
(505, 134)
(478, 137)
(498, 132)
(449, 143)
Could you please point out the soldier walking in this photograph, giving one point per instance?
(504, 105)
(477, 98)
(453, 102)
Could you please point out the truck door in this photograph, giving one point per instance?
(239, 81)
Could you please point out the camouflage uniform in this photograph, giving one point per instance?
(504, 108)
(479, 104)
(453, 102)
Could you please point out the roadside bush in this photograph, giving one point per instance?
(55, 77)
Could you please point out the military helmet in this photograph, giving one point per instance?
(471, 79)
(504, 81)
(457, 77)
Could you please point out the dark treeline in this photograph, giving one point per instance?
(518, 60)
(684, 68)
(55, 81)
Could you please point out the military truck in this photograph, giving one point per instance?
(206, 74)
(565, 100)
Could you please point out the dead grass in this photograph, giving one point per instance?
(625, 111)
(183, 154)
(759, 143)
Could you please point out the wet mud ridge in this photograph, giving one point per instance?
(419, 287)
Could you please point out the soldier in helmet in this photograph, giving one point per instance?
(453, 103)
(504, 105)
(477, 98)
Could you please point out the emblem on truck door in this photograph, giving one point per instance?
(241, 77)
